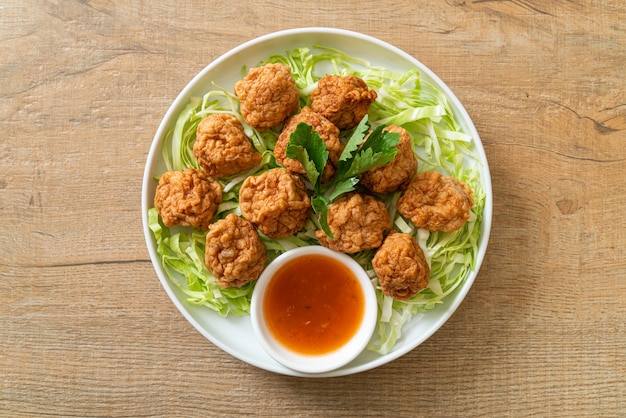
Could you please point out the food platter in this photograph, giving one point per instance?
(234, 334)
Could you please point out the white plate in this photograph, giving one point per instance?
(234, 334)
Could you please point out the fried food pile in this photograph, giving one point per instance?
(275, 202)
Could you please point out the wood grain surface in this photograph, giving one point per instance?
(87, 330)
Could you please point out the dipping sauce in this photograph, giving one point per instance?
(313, 305)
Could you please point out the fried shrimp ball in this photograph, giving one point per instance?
(222, 147)
(187, 198)
(326, 130)
(234, 252)
(268, 95)
(397, 174)
(436, 202)
(276, 202)
(357, 221)
(343, 100)
(401, 266)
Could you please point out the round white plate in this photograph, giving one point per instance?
(234, 334)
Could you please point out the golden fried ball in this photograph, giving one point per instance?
(401, 266)
(187, 198)
(343, 100)
(436, 202)
(276, 202)
(222, 148)
(327, 132)
(397, 174)
(268, 95)
(357, 221)
(234, 252)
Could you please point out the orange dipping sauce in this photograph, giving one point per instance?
(314, 305)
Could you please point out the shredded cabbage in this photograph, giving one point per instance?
(182, 252)
(403, 99)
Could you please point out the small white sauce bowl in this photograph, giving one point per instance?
(323, 362)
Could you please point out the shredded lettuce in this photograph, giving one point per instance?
(404, 99)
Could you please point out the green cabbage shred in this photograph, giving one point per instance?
(403, 99)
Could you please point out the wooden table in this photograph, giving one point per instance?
(85, 326)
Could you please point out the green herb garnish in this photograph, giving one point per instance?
(361, 153)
